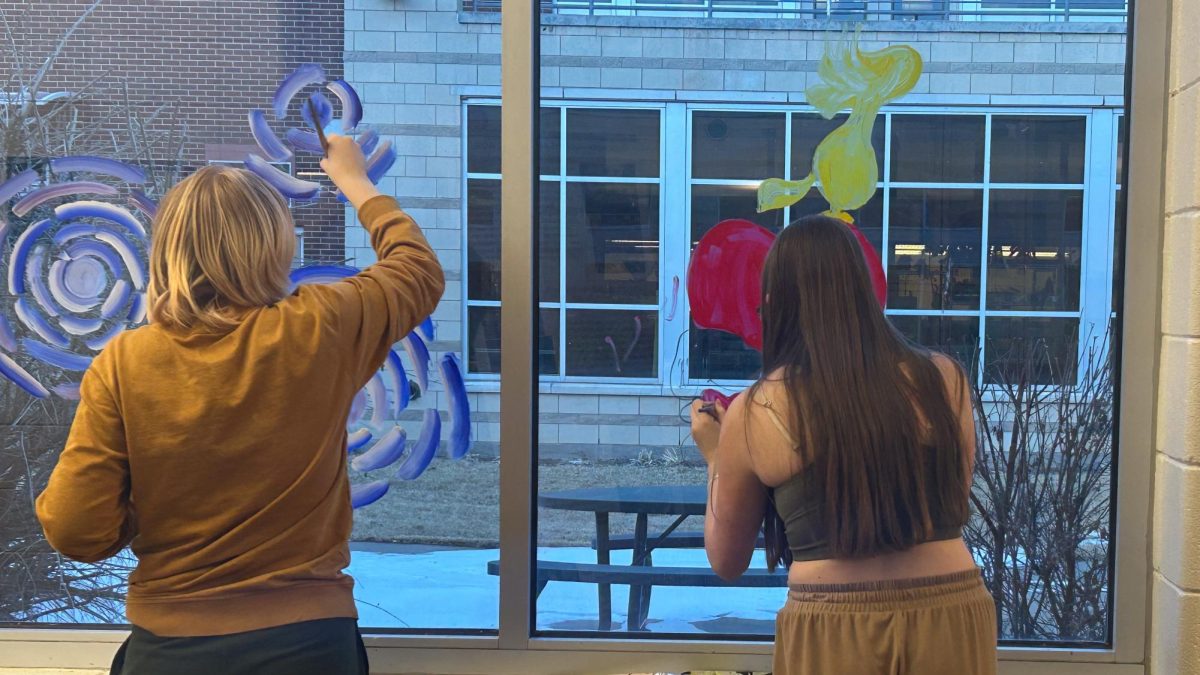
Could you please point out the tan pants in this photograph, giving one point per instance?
(931, 626)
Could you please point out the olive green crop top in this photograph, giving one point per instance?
(800, 502)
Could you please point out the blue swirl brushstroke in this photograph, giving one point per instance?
(352, 111)
(426, 329)
(59, 358)
(419, 355)
(142, 202)
(44, 194)
(289, 186)
(424, 449)
(101, 341)
(324, 110)
(367, 493)
(399, 377)
(21, 377)
(320, 274)
(304, 75)
(134, 264)
(93, 249)
(72, 301)
(110, 212)
(8, 339)
(137, 309)
(367, 140)
(34, 271)
(101, 165)
(20, 255)
(380, 161)
(117, 298)
(18, 182)
(357, 439)
(384, 453)
(36, 323)
(79, 326)
(459, 406)
(266, 139)
(69, 390)
(379, 400)
(303, 140)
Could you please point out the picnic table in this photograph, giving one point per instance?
(681, 501)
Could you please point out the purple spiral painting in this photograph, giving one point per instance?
(380, 155)
(73, 246)
(375, 439)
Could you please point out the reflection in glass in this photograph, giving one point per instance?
(483, 139)
(1033, 349)
(809, 129)
(612, 343)
(712, 204)
(717, 355)
(483, 340)
(937, 148)
(738, 145)
(934, 238)
(957, 336)
(1035, 240)
(483, 241)
(612, 243)
(1038, 149)
(613, 143)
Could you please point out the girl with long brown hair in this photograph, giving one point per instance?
(853, 453)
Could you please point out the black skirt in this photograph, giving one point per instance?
(322, 647)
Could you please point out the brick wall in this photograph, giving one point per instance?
(1175, 648)
(211, 60)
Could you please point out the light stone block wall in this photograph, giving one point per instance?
(414, 61)
(1175, 642)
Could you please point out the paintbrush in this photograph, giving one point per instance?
(316, 120)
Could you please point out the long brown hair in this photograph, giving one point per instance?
(859, 392)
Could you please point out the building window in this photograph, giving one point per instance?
(600, 223)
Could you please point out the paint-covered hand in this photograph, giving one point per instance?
(347, 168)
(706, 427)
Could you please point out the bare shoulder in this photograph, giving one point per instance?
(950, 369)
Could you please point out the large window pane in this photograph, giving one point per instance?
(738, 146)
(712, 204)
(613, 143)
(935, 237)
(1031, 350)
(1041, 149)
(1034, 249)
(809, 129)
(483, 240)
(957, 336)
(483, 139)
(612, 343)
(612, 243)
(937, 148)
(483, 340)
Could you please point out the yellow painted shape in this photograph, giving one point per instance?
(845, 168)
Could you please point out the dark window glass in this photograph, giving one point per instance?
(613, 143)
(935, 236)
(809, 129)
(712, 204)
(612, 243)
(1034, 248)
(957, 336)
(483, 139)
(612, 343)
(1043, 149)
(1030, 349)
(483, 340)
(869, 218)
(483, 240)
(937, 148)
(738, 146)
(717, 355)
(1121, 149)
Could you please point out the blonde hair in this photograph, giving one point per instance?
(223, 241)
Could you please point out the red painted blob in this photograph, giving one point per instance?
(724, 280)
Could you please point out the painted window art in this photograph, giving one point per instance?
(74, 242)
(724, 285)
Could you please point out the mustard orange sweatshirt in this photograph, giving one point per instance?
(221, 458)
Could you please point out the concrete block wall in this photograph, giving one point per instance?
(415, 61)
(1175, 623)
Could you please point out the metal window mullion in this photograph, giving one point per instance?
(465, 314)
(885, 216)
(675, 199)
(787, 159)
(518, 394)
(1095, 246)
(984, 247)
(562, 242)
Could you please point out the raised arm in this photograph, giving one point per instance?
(85, 509)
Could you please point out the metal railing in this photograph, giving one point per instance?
(1076, 11)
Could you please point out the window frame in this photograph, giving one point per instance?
(513, 650)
